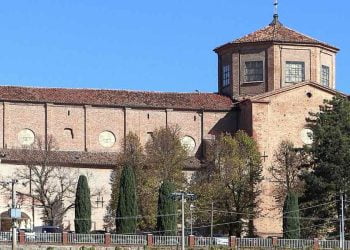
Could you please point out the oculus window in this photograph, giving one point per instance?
(188, 143)
(254, 71)
(306, 136)
(106, 139)
(226, 73)
(295, 72)
(325, 75)
(26, 137)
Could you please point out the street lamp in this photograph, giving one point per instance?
(191, 208)
(183, 196)
(14, 212)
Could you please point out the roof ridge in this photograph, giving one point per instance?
(291, 87)
(117, 98)
(261, 29)
(301, 33)
(277, 32)
(101, 89)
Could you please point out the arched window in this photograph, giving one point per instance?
(68, 132)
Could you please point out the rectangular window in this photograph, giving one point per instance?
(254, 71)
(325, 75)
(295, 72)
(226, 75)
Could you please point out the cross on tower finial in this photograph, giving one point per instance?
(276, 8)
(275, 20)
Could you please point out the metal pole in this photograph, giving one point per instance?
(340, 232)
(212, 223)
(30, 192)
(191, 218)
(14, 236)
(342, 222)
(183, 221)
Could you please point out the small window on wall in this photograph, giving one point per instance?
(149, 136)
(68, 132)
(254, 71)
(295, 72)
(325, 75)
(226, 73)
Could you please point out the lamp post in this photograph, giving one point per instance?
(14, 212)
(182, 196)
(191, 208)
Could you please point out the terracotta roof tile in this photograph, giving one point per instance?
(102, 160)
(60, 158)
(122, 98)
(276, 32)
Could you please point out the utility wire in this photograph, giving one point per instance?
(272, 217)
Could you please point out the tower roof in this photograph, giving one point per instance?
(276, 32)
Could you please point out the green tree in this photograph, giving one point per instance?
(126, 214)
(231, 181)
(166, 221)
(166, 156)
(329, 175)
(146, 184)
(82, 220)
(164, 159)
(291, 219)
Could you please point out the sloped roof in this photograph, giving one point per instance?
(277, 32)
(120, 98)
(102, 160)
(259, 97)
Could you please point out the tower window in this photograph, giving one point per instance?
(295, 72)
(226, 72)
(254, 71)
(325, 75)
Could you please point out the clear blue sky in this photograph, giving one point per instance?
(158, 45)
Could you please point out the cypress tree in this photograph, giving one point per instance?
(166, 224)
(291, 220)
(82, 220)
(126, 214)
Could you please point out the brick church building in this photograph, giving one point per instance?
(268, 82)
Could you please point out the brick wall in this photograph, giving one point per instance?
(77, 128)
(67, 125)
(280, 117)
(274, 58)
(22, 116)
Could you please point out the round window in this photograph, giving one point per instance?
(106, 139)
(188, 143)
(26, 137)
(306, 136)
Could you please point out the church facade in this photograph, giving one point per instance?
(268, 82)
